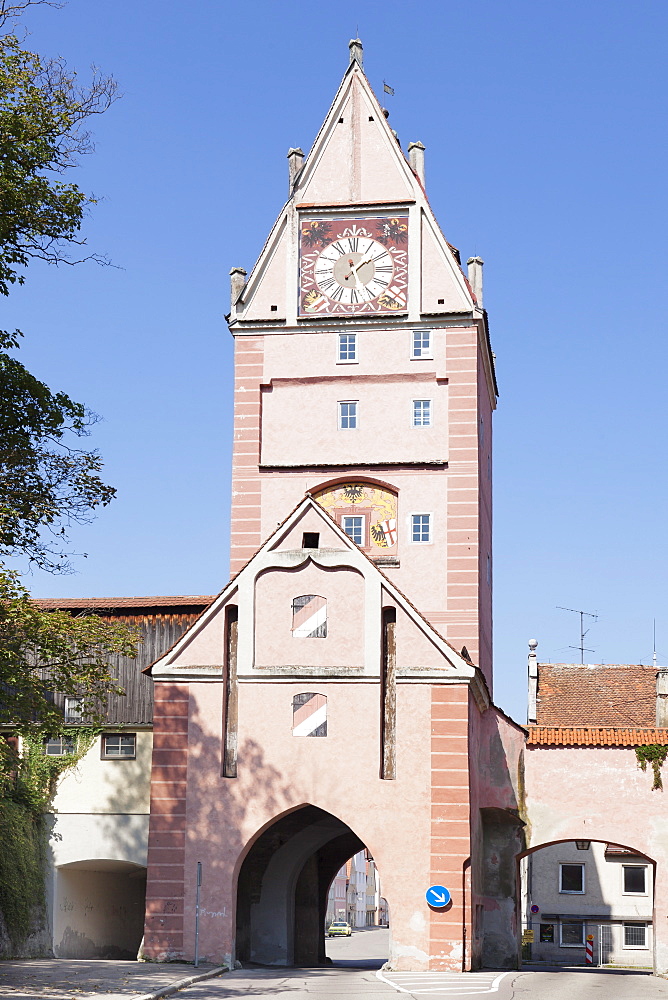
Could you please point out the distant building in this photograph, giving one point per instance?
(585, 723)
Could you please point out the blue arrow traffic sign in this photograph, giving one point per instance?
(437, 895)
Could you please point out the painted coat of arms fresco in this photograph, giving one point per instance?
(367, 513)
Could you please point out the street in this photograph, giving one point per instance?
(356, 974)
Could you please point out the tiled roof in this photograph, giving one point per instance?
(596, 736)
(67, 603)
(571, 694)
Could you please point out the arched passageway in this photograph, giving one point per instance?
(99, 909)
(586, 902)
(283, 885)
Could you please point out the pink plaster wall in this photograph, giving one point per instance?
(600, 793)
(300, 420)
(275, 590)
(278, 772)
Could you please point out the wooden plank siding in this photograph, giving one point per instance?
(160, 626)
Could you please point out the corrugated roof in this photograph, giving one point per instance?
(596, 736)
(572, 694)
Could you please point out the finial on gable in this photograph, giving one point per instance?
(356, 51)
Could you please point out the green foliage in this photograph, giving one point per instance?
(42, 114)
(30, 778)
(21, 867)
(45, 483)
(46, 651)
(655, 755)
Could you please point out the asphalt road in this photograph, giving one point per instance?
(356, 974)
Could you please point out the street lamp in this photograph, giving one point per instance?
(582, 845)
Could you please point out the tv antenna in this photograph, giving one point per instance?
(583, 649)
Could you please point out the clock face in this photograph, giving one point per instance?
(353, 265)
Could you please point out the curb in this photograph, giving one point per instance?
(180, 984)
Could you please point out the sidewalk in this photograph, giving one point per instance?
(64, 979)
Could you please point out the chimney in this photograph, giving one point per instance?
(237, 282)
(475, 277)
(416, 159)
(662, 698)
(356, 52)
(533, 682)
(295, 161)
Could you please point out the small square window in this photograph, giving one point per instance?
(634, 878)
(119, 746)
(347, 347)
(635, 935)
(353, 525)
(421, 413)
(420, 527)
(58, 746)
(572, 933)
(421, 344)
(347, 415)
(73, 710)
(571, 878)
(311, 540)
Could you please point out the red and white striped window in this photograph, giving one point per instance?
(309, 714)
(309, 617)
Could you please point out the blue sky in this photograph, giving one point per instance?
(545, 128)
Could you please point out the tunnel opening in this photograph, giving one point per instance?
(99, 909)
(283, 889)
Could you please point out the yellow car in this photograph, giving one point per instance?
(339, 928)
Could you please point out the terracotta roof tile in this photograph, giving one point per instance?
(596, 736)
(68, 603)
(571, 694)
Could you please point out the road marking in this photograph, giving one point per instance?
(444, 983)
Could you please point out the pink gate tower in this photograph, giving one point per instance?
(337, 694)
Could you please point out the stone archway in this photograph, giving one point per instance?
(282, 887)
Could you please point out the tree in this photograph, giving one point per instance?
(46, 651)
(43, 115)
(45, 483)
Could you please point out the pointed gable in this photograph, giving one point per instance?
(443, 286)
(200, 651)
(264, 295)
(355, 157)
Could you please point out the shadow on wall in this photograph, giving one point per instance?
(217, 810)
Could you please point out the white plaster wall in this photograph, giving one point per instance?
(107, 786)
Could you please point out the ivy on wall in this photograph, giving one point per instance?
(27, 785)
(654, 755)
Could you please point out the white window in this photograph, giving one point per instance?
(635, 880)
(421, 344)
(73, 709)
(353, 525)
(348, 415)
(571, 878)
(572, 933)
(421, 413)
(119, 746)
(347, 347)
(420, 527)
(635, 935)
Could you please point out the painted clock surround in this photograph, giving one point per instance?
(353, 266)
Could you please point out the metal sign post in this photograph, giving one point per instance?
(199, 885)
